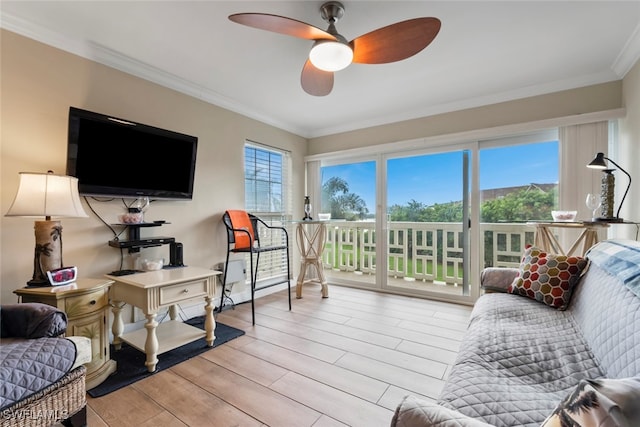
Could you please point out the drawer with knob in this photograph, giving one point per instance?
(183, 291)
(85, 304)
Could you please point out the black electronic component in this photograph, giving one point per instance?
(124, 272)
(176, 254)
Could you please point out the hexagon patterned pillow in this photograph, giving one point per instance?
(548, 278)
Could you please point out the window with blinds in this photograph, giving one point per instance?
(267, 173)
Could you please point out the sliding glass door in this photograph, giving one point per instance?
(399, 222)
(519, 183)
(349, 195)
(427, 223)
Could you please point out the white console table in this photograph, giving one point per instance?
(153, 290)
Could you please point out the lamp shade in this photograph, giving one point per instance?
(599, 162)
(47, 194)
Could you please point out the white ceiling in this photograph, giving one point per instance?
(486, 52)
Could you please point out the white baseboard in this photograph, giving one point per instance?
(245, 294)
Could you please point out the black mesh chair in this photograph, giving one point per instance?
(243, 236)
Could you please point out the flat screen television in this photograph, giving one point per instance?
(119, 158)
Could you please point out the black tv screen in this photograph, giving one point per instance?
(120, 158)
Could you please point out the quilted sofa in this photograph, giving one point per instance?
(520, 357)
(42, 377)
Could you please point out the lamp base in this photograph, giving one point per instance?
(48, 250)
(38, 283)
(614, 219)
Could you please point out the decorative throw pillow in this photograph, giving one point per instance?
(548, 278)
(599, 403)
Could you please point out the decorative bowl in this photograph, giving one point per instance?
(324, 216)
(564, 216)
(131, 218)
(152, 264)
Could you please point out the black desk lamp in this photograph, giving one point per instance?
(608, 184)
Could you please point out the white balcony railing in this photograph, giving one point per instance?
(424, 251)
(417, 251)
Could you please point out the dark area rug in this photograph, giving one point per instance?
(130, 361)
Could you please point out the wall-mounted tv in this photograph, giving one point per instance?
(119, 158)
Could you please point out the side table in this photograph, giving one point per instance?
(86, 303)
(311, 237)
(152, 290)
(545, 239)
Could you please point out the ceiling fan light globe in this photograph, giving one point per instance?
(328, 55)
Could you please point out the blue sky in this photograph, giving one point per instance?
(436, 178)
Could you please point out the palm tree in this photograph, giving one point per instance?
(38, 271)
(343, 204)
(352, 206)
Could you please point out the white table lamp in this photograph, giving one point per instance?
(46, 195)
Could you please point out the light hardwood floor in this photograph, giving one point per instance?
(345, 360)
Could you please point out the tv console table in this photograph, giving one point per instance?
(153, 290)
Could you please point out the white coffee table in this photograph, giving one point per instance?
(153, 290)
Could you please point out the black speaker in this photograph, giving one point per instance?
(175, 254)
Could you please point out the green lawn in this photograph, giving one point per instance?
(409, 266)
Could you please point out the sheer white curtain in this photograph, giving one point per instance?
(578, 146)
(314, 186)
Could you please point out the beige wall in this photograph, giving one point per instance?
(628, 155)
(38, 85)
(602, 97)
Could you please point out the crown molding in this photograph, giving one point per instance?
(629, 55)
(110, 58)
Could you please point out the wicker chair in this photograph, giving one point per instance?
(63, 401)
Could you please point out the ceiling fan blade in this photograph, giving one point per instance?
(282, 25)
(316, 82)
(395, 42)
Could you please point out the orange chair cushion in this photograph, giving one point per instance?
(240, 221)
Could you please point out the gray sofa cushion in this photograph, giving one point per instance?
(517, 361)
(608, 315)
(29, 365)
(413, 412)
(31, 320)
(497, 279)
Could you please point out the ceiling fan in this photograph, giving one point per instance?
(332, 52)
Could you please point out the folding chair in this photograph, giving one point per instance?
(243, 236)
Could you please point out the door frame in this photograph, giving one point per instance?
(471, 266)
